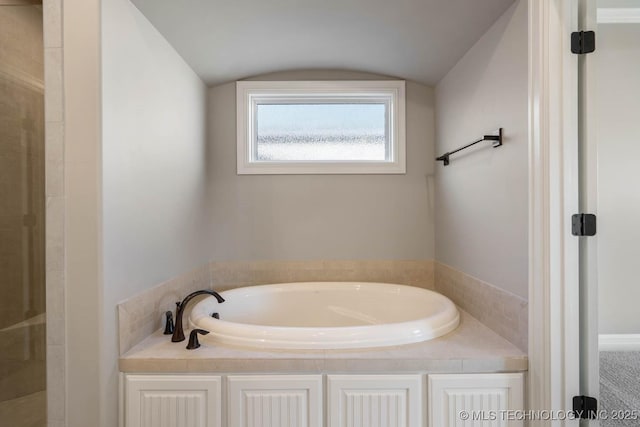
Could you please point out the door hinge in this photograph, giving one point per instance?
(583, 225)
(585, 407)
(583, 42)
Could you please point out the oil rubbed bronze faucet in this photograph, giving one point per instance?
(178, 332)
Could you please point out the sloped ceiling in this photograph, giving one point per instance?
(226, 40)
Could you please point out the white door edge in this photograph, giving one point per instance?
(553, 377)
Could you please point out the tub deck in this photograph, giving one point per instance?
(472, 347)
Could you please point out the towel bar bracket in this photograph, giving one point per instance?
(497, 139)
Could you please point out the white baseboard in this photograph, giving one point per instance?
(619, 342)
(618, 16)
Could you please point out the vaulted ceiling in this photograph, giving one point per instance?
(226, 40)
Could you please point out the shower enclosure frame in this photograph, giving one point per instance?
(55, 208)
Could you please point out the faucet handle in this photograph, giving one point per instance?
(168, 326)
(193, 338)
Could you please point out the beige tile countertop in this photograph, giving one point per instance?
(472, 347)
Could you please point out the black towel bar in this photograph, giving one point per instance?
(496, 137)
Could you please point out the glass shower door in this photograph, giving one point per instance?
(22, 219)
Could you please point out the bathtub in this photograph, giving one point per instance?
(325, 315)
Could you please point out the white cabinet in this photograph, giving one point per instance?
(172, 401)
(475, 399)
(274, 401)
(374, 400)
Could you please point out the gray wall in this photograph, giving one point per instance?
(618, 139)
(291, 217)
(482, 196)
(155, 214)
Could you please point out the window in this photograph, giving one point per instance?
(321, 127)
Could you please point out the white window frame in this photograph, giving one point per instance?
(250, 93)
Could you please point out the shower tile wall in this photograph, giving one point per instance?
(21, 165)
(22, 215)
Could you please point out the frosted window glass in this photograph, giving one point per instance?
(321, 132)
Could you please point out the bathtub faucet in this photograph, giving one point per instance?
(178, 332)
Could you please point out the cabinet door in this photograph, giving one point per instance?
(274, 400)
(375, 400)
(172, 401)
(485, 400)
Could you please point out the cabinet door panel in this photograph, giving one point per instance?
(375, 400)
(475, 399)
(172, 401)
(275, 400)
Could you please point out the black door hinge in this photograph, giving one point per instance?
(583, 42)
(583, 225)
(585, 407)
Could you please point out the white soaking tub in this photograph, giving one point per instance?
(325, 315)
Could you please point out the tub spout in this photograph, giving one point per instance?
(178, 332)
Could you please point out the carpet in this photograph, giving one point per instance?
(620, 386)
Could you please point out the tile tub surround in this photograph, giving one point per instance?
(503, 312)
(232, 274)
(141, 315)
(472, 347)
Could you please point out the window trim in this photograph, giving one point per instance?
(249, 92)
